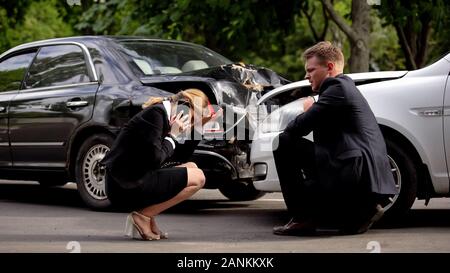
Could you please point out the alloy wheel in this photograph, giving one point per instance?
(94, 172)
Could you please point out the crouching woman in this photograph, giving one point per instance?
(134, 172)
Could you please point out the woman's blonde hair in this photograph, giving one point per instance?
(196, 99)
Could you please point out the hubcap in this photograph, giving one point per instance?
(94, 172)
(398, 181)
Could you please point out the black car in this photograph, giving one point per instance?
(62, 102)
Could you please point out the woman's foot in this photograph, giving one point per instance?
(144, 226)
(156, 230)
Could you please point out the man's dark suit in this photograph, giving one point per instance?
(348, 155)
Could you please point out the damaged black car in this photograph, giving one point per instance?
(63, 101)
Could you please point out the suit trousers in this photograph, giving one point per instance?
(305, 197)
(297, 173)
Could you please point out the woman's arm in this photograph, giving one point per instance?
(150, 126)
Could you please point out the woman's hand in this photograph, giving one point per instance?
(179, 124)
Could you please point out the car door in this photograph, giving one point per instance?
(447, 124)
(57, 96)
(12, 71)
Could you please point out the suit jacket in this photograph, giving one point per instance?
(140, 146)
(349, 146)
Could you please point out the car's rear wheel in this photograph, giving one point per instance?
(240, 190)
(90, 175)
(406, 178)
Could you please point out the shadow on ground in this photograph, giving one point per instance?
(37, 194)
(31, 193)
(67, 197)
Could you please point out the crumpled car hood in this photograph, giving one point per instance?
(243, 77)
(252, 77)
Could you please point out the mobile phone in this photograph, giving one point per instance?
(183, 110)
(183, 107)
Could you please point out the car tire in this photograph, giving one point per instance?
(405, 174)
(90, 175)
(240, 190)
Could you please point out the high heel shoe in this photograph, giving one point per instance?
(162, 235)
(134, 231)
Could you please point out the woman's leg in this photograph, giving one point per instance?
(196, 181)
(188, 165)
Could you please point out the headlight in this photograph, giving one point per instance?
(280, 118)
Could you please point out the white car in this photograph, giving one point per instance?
(413, 111)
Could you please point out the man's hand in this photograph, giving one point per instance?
(307, 103)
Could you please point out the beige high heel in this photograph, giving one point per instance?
(162, 235)
(134, 231)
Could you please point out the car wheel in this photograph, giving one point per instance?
(240, 190)
(406, 179)
(90, 175)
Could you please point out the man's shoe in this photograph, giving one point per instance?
(366, 225)
(293, 228)
(379, 212)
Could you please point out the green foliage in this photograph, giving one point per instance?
(41, 21)
(268, 33)
(385, 50)
(416, 20)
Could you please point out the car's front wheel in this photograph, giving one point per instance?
(240, 190)
(90, 174)
(406, 180)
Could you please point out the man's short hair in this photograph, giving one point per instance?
(325, 52)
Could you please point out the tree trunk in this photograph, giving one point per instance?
(360, 52)
(358, 33)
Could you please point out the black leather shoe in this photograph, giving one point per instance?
(366, 225)
(379, 212)
(293, 228)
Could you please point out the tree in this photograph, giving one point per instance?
(357, 33)
(11, 13)
(309, 10)
(413, 21)
(42, 21)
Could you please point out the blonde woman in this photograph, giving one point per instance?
(134, 164)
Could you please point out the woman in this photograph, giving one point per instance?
(134, 164)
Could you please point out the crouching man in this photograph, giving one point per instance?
(345, 172)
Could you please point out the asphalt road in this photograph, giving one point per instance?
(36, 219)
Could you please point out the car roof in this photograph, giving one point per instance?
(84, 39)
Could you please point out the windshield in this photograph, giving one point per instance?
(159, 57)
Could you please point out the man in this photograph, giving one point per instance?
(342, 175)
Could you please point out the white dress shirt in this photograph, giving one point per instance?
(168, 107)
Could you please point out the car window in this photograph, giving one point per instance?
(12, 71)
(156, 58)
(57, 65)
